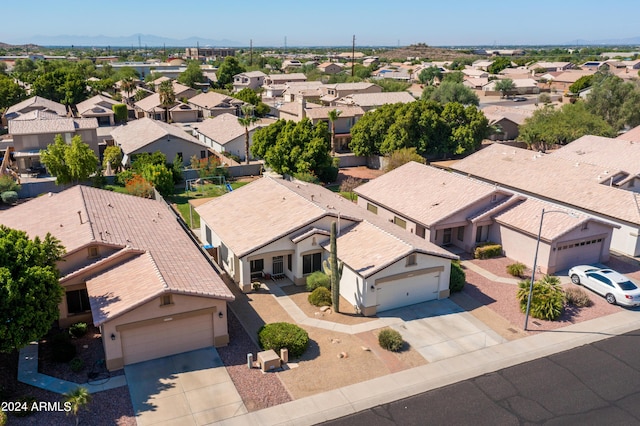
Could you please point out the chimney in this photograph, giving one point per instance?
(303, 105)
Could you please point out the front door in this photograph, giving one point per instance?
(278, 265)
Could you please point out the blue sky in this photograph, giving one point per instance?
(329, 22)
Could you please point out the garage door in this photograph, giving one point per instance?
(407, 291)
(167, 338)
(577, 253)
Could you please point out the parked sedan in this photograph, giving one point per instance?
(615, 287)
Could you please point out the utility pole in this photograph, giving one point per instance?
(250, 52)
(285, 45)
(353, 56)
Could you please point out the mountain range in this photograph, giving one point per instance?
(135, 40)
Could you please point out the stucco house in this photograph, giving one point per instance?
(35, 103)
(179, 112)
(369, 101)
(248, 80)
(459, 212)
(287, 237)
(99, 107)
(508, 120)
(602, 185)
(225, 134)
(296, 77)
(331, 92)
(35, 130)
(212, 104)
(329, 68)
(131, 270)
(148, 136)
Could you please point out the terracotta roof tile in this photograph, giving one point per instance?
(139, 133)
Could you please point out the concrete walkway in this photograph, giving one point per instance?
(28, 373)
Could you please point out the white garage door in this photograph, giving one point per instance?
(577, 253)
(167, 338)
(407, 291)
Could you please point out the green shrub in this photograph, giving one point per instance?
(488, 251)
(457, 277)
(318, 279)
(63, 350)
(280, 335)
(516, 269)
(321, 296)
(3, 418)
(256, 285)
(76, 364)
(27, 402)
(9, 197)
(547, 300)
(577, 297)
(120, 111)
(390, 340)
(78, 329)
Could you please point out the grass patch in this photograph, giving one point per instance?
(351, 196)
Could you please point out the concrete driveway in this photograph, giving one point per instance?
(192, 388)
(441, 329)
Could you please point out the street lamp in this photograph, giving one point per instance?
(535, 261)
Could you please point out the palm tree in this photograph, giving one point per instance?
(167, 97)
(247, 119)
(128, 85)
(333, 116)
(78, 398)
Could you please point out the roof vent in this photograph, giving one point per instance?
(79, 215)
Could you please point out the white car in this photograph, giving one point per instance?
(615, 287)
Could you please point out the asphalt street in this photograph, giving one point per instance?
(595, 384)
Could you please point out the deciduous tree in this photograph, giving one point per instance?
(69, 163)
(504, 86)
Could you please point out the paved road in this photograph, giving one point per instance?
(594, 384)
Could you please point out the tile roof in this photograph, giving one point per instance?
(283, 78)
(612, 154)
(149, 103)
(351, 86)
(251, 74)
(212, 100)
(38, 102)
(225, 127)
(554, 178)
(632, 135)
(376, 99)
(96, 101)
(287, 207)
(323, 112)
(172, 263)
(41, 122)
(495, 113)
(424, 193)
(139, 133)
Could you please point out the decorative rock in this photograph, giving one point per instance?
(364, 348)
(335, 340)
(324, 308)
(343, 355)
(319, 314)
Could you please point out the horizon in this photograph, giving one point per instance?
(291, 24)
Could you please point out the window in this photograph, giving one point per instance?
(401, 223)
(585, 226)
(420, 231)
(372, 208)
(165, 300)
(203, 154)
(93, 252)
(446, 238)
(179, 154)
(278, 265)
(289, 261)
(207, 233)
(460, 233)
(411, 260)
(78, 301)
(311, 263)
(256, 265)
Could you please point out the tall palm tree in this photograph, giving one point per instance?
(128, 85)
(247, 119)
(333, 116)
(167, 97)
(78, 398)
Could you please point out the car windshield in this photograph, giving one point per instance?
(627, 285)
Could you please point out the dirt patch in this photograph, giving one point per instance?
(360, 172)
(498, 267)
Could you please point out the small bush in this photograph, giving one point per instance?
(9, 197)
(3, 418)
(256, 285)
(63, 351)
(76, 364)
(280, 335)
(79, 329)
(390, 340)
(488, 251)
(577, 297)
(516, 269)
(318, 279)
(457, 277)
(547, 300)
(321, 296)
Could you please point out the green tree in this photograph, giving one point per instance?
(333, 268)
(389, 85)
(128, 86)
(78, 398)
(64, 86)
(295, 147)
(581, 84)
(160, 177)
(112, 155)
(429, 75)
(247, 119)
(455, 76)
(247, 95)
(29, 288)
(69, 163)
(499, 64)
(608, 97)
(121, 112)
(7, 183)
(229, 67)
(333, 116)
(167, 97)
(192, 75)
(403, 156)
(449, 91)
(504, 86)
(10, 92)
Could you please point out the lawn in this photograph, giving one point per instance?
(351, 196)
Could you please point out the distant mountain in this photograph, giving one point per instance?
(135, 40)
(608, 42)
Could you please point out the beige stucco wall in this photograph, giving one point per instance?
(153, 310)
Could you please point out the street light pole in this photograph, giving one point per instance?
(535, 261)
